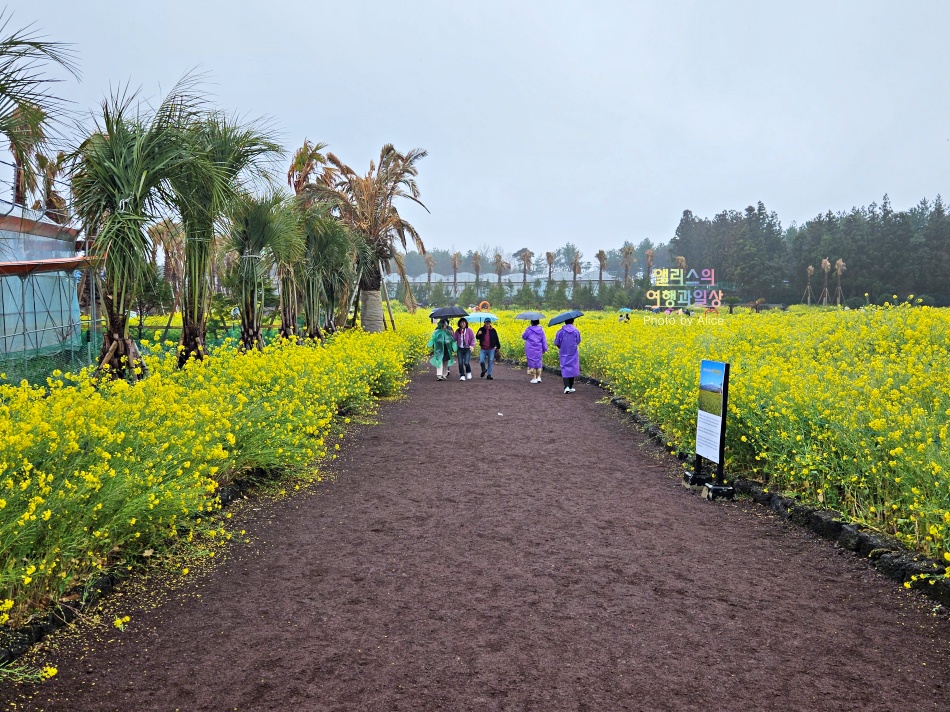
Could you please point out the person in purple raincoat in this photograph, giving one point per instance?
(567, 340)
(535, 344)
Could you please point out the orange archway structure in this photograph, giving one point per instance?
(483, 306)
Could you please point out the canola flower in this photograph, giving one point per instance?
(848, 410)
(91, 472)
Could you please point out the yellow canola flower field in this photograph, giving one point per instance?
(845, 409)
(90, 473)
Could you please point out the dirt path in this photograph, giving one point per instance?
(502, 546)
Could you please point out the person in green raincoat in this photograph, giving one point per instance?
(442, 348)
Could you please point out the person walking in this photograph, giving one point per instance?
(465, 339)
(567, 340)
(487, 339)
(535, 344)
(442, 346)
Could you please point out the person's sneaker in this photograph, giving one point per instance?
(483, 373)
(462, 378)
(489, 378)
(572, 390)
(440, 378)
(469, 375)
(539, 380)
(567, 390)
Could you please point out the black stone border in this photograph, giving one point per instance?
(886, 554)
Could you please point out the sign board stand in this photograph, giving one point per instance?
(711, 431)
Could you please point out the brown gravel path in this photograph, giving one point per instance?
(502, 546)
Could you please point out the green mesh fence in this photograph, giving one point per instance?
(36, 365)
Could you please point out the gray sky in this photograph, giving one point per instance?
(546, 121)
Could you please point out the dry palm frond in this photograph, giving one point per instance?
(576, 266)
(409, 299)
(304, 164)
(826, 265)
(627, 260)
(526, 258)
(840, 267)
(680, 262)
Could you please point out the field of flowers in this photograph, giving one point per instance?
(845, 409)
(90, 474)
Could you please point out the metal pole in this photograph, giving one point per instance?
(23, 316)
(93, 321)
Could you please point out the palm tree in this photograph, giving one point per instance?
(328, 265)
(576, 269)
(681, 262)
(499, 265)
(25, 129)
(121, 180)
(601, 257)
(477, 268)
(809, 271)
(26, 104)
(456, 263)
(52, 204)
(840, 268)
(526, 258)
(366, 204)
(237, 152)
(430, 265)
(826, 268)
(264, 233)
(550, 257)
(649, 254)
(304, 165)
(627, 259)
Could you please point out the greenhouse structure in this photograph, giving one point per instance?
(39, 305)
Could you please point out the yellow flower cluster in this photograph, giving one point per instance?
(91, 471)
(847, 409)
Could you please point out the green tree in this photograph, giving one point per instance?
(556, 296)
(467, 296)
(263, 232)
(27, 105)
(439, 296)
(237, 153)
(525, 297)
(122, 177)
(328, 267)
(497, 296)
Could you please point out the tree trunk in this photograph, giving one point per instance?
(119, 356)
(194, 291)
(372, 311)
(288, 308)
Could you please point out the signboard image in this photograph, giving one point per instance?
(710, 420)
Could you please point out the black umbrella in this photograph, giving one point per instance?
(561, 318)
(530, 316)
(447, 312)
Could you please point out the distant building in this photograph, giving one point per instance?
(511, 281)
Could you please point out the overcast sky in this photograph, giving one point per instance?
(547, 122)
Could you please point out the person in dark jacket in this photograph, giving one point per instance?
(487, 339)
